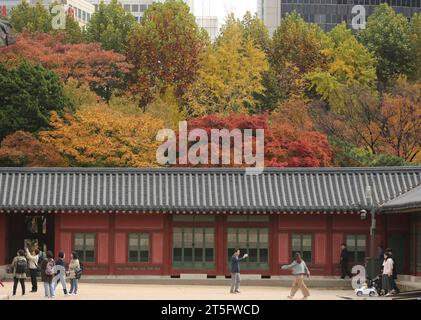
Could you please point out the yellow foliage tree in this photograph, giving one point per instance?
(231, 74)
(101, 135)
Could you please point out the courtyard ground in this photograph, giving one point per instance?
(96, 291)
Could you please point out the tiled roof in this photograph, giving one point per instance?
(407, 201)
(194, 190)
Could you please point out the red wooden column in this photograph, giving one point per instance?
(57, 235)
(167, 250)
(274, 245)
(3, 238)
(220, 244)
(329, 248)
(111, 247)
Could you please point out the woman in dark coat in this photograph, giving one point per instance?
(47, 274)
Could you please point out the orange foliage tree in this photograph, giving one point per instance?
(22, 149)
(101, 135)
(86, 62)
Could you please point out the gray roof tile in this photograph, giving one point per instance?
(179, 189)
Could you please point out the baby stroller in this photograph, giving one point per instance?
(376, 283)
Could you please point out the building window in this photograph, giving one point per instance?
(193, 248)
(302, 243)
(356, 245)
(254, 242)
(139, 247)
(85, 246)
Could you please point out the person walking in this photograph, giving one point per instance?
(33, 267)
(47, 274)
(74, 268)
(387, 274)
(19, 266)
(235, 271)
(344, 262)
(60, 275)
(299, 270)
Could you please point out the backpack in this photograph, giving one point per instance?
(78, 271)
(21, 266)
(49, 268)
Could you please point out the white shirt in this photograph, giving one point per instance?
(388, 267)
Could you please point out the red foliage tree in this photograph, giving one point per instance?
(285, 145)
(86, 62)
(22, 149)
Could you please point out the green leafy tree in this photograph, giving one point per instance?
(28, 94)
(110, 26)
(298, 48)
(255, 29)
(387, 35)
(31, 18)
(350, 64)
(415, 34)
(165, 50)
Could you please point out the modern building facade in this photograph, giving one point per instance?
(175, 221)
(210, 24)
(327, 13)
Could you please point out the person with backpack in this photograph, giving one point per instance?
(19, 266)
(33, 267)
(75, 271)
(299, 270)
(47, 274)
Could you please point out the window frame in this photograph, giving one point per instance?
(139, 248)
(82, 257)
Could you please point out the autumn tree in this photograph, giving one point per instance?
(110, 25)
(298, 48)
(349, 64)
(387, 35)
(284, 143)
(165, 49)
(386, 122)
(231, 74)
(28, 95)
(104, 71)
(104, 136)
(23, 149)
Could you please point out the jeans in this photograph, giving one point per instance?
(33, 273)
(235, 281)
(73, 286)
(60, 279)
(15, 285)
(386, 283)
(49, 289)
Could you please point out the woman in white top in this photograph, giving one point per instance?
(387, 273)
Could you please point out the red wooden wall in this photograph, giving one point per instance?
(2, 239)
(328, 232)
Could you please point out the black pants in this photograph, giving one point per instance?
(15, 285)
(33, 273)
(394, 285)
(344, 270)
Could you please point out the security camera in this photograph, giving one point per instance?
(363, 214)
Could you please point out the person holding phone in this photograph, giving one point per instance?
(235, 271)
